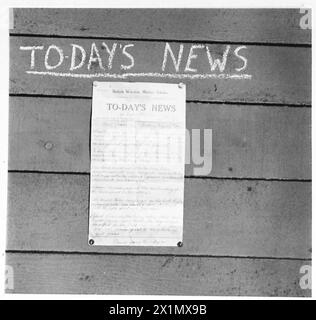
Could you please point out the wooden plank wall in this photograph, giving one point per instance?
(247, 225)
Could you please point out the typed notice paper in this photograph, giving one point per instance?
(137, 164)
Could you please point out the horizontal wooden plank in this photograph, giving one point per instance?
(104, 274)
(221, 217)
(235, 25)
(248, 141)
(270, 74)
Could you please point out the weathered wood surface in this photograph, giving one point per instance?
(154, 275)
(221, 217)
(248, 141)
(279, 74)
(241, 237)
(254, 25)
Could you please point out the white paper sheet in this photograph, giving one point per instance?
(137, 164)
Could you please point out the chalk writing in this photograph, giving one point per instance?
(32, 49)
(114, 60)
(61, 57)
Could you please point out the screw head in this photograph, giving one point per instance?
(91, 242)
(180, 244)
(181, 85)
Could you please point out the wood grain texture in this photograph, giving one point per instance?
(221, 217)
(254, 25)
(241, 237)
(279, 74)
(248, 141)
(154, 275)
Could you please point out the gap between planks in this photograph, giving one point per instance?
(186, 177)
(44, 252)
(240, 103)
(267, 44)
